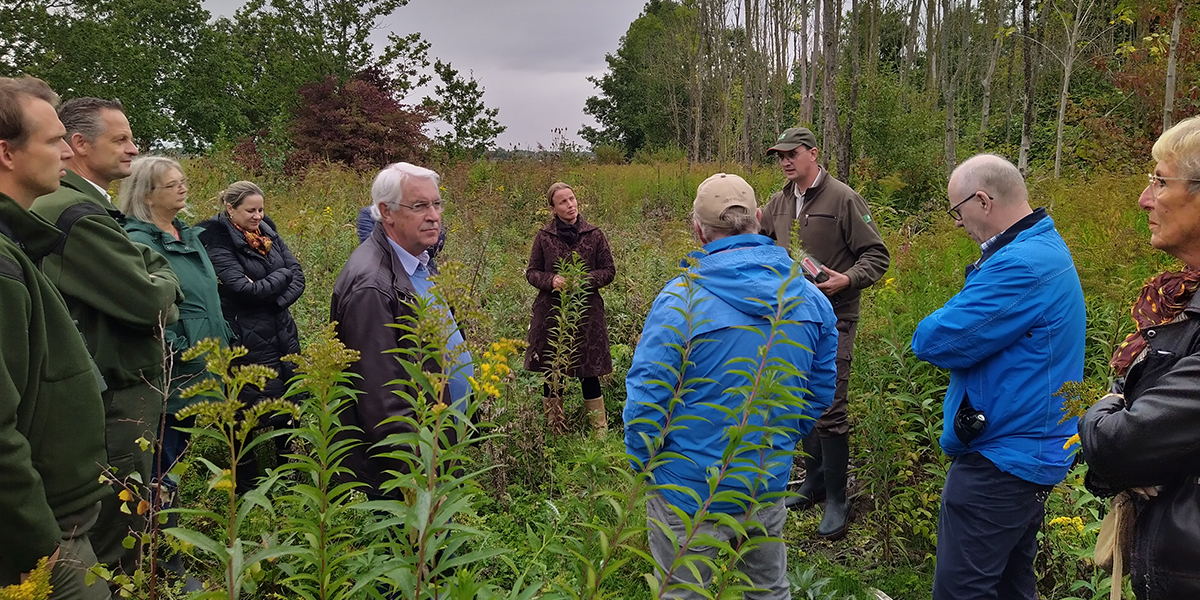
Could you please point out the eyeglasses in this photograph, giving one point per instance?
(954, 212)
(1158, 182)
(422, 207)
(174, 184)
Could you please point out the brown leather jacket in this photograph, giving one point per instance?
(372, 291)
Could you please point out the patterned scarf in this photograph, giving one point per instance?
(257, 240)
(1162, 300)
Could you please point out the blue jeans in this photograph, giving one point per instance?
(987, 533)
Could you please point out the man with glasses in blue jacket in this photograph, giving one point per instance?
(1011, 338)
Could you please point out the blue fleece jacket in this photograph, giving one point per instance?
(735, 285)
(1011, 338)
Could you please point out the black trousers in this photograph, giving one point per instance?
(987, 533)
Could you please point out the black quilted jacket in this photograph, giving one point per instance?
(256, 292)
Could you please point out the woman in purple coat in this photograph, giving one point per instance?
(568, 232)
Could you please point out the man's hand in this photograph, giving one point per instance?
(836, 282)
(558, 282)
(49, 563)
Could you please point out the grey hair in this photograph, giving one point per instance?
(736, 220)
(135, 189)
(236, 193)
(1180, 146)
(389, 185)
(994, 175)
(82, 116)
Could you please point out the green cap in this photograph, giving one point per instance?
(793, 138)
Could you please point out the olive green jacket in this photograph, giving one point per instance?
(200, 314)
(51, 414)
(121, 293)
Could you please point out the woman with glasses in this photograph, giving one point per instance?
(152, 197)
(566, 234)
(1142, 441)
(259, 280)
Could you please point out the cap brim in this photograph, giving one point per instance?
(782, 148)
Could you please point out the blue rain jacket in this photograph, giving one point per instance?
(733, 285)
(1011, 338)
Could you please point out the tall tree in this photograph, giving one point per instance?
(459, 104)
(829, 134)
(1168, 117)
(1027, 114)
(1079, 31)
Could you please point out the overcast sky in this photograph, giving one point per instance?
(532, 57)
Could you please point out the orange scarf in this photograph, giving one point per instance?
(258, 241)
(1162, 300)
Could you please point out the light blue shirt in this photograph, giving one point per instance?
(417, 268)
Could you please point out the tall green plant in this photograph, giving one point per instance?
(230, 423)
(567, 315)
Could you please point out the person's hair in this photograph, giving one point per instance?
(554, 188)
(14, 127)
(82, 116)
(389, 185)
(736, 220)
(236, 193)
(1180, 146)
(143, 178)
(994, 175)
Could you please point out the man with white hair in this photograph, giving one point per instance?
(379, 286)
(1011, 338)
(727, 297)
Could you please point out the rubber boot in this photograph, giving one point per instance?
(812, 490)
(173, 565)
(247, 474)
(597, 416)
(553, 407)
(836, 458)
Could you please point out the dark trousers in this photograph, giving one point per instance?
(834, 421)
(987, 533)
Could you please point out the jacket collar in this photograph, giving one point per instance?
(35, 235)
(1032, 221)
(733, 242)
(381, 245)
(789, 189)
(76, 182)
(584, 226)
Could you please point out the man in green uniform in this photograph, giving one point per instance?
(834, 226)
(121, 294)
(51, 413)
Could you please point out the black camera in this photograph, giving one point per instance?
(969, 423)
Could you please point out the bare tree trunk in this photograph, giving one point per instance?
(829, 134)
(1074, 25)
(1008, 80)
(1168, 118)
(1068, 66)
(1027, 120)
(932, 68)
(910, 40)
(997, 45)
(807, 107)
(855, 74)
(951, 82)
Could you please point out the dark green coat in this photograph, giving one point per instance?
(118, 291)
(199, 313)
(51, 414)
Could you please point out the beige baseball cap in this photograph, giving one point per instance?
(720, 192)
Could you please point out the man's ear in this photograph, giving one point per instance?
(698, 233)
(385, 212)
(6, 155)
(78, 144)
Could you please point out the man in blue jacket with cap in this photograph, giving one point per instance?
(719, 313)
(1011, 338)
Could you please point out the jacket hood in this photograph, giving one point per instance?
(746, 271)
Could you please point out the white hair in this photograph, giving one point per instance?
(389, 185)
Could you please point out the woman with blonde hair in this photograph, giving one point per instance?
(569, 233)
(259, 280)
(152, 197)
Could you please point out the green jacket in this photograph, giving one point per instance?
(199, 313)
(119, 292)
(51, 414)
